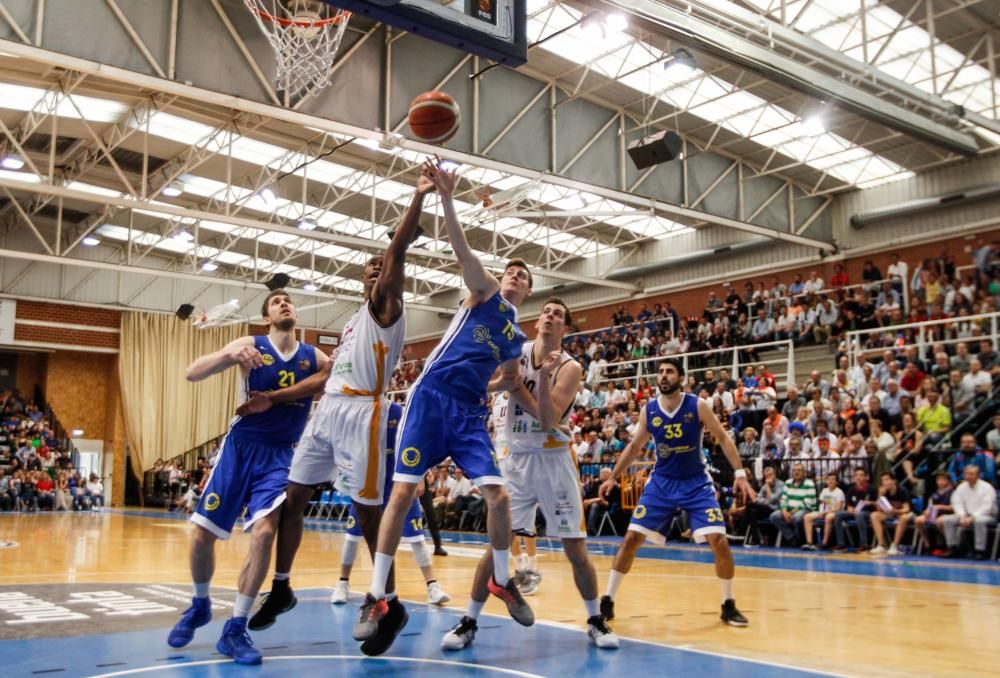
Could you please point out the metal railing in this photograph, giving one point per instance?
(651, 324)
(828, 291)
(698, 361)
(927, 333)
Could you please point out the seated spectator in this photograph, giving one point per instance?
(768, 497)
(814, 285)
(962, 358)
(797, 499)
(891, 400)
(975, 387)
(831, 502)
(6, 502)
(892, 504)
(839, 277)
(45, 489)
(938, 506)
(771, 437)
(822, 435)
(974, 504)
(797, 287)
(94, 491)
(763, 327)
(596, 506)
(826, 319)
(27, 496)
(968, 454)
(816, 383)
(987, 356)
(910, 447)
(792, 404)
(912, 378)
(749, 447)
(870, 274)
(934, 419)
(797, 444)
(993, 436)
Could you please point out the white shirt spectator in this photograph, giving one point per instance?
(813, 286)
(95, 488)
(971, 383)
(596, 370)
(727, 399)
(831, 500)
(900, 270)
(461, 488)
(980, 501)
(583, 397)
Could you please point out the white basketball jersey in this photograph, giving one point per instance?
(524, 432)
(367, 356)
(498, 414)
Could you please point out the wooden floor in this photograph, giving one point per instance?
(855, 624)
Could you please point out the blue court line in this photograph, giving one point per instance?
(925, 568)
(315, 639)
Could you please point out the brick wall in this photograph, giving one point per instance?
(692, 301)
(70, 315)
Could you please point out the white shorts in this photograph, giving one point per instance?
(549, 479)
(345, 441)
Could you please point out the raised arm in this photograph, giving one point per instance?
(237, 352)
(480, 282)
(387, 294)
(714, 426)
(628, 455)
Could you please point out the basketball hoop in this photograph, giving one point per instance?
(223, 314)
(305, 35)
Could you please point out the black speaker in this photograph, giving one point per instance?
(654, 149)
(278, 281)
(184, 311)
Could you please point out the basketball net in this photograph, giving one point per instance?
(305, 35)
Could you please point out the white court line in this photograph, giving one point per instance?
(414, 660)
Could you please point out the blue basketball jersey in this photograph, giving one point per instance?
(282, 425)
(677, 437)
(477, 341)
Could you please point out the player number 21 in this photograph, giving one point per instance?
(286, 378)
(715, 515)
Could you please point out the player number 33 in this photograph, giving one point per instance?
(672, 431)
(715, 515)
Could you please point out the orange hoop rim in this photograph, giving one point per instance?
(341, 16)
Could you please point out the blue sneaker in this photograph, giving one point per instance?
(235, 642)
(199, 614)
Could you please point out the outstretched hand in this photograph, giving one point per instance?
(444, 180)
(425, 184)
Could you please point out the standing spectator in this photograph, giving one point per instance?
(898, 271)
(975, 505)
(831, 502)
(797, 499)
(892, 504)
(938, 506)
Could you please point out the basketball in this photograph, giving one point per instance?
(434, 117)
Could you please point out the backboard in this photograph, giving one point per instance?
(495, 29)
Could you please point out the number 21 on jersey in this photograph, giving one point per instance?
(286, 378)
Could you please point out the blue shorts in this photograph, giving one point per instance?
(664, 498)
(413, 526)
(436, 426)
(249, 474)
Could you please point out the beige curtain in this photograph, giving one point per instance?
(166, 415)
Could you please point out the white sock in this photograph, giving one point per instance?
(593, 607)
(201, 589)
(383, 563)
(614, 581)
(533, 563)
(520, 562)
(281, 576)
(727, 589)
(242, 606)
(475, 607)
(391, 596)
(501, 568)
(349, 553)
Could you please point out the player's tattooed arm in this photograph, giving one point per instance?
(261, 401)
(714, 426)
(240, 352)
(628, 455)
(387, 295)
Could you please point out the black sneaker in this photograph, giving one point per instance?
(279, 601)
(461, 635)
(438, 551)
(607, 608)
(731, 615)
(390, 626)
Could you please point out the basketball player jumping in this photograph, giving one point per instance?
(345, 438)
(445, 415)
(541, 469)
(252, 470)
(679, 482)
(413, 531)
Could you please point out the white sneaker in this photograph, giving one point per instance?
(878, 551)
(893, 551)
(601, 634)
(529, 582)
(340, 593)
(461, 635)
(436, 595)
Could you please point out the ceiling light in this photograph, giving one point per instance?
(172, 190)
(12, 162)
(616, 22)
(593, 27)
(269, 199)
(813, 127)
(680, 65)
(209, 266)
(307, 225)
(449, 165)
(90, 241)
(309, 287)
(183, 235)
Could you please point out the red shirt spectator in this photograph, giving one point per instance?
(44, 483)
(839, 278)
(911, 379)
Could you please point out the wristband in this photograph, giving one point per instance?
(741, 473)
